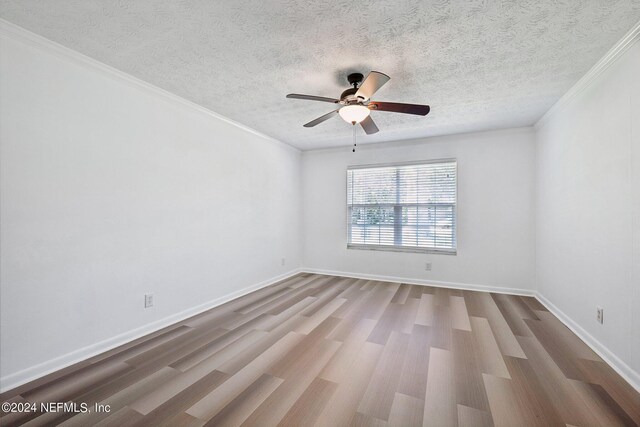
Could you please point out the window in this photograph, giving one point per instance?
(409, 207)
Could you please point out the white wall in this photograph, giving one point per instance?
(495, 210)
(588, 208)
(111, 189)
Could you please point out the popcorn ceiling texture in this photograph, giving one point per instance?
(479, 64)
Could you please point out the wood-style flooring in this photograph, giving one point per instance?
(333, 351)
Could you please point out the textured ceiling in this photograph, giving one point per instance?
(479, 64)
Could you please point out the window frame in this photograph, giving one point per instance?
(410, 249)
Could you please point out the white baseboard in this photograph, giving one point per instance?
(26, 375)
(624, 370)
(425, 282)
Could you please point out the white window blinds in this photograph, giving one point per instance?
(404, 207)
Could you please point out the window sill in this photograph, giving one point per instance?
(404, 249)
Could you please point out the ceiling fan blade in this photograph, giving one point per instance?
(321, 119)
(313, 98)
(369, 125)
(374, 81)
(396, 107)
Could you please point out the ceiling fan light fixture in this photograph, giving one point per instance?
(354, 113)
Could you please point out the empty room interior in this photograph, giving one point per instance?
(332, 213)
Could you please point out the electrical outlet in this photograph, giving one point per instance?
(284, 261)
(427, 266)
(148, 300)
(600, 315)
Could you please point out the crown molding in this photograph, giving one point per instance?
(592, 75)
(19, 34)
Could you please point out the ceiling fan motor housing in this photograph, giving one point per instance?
(349, 95)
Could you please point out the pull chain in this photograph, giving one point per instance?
(354, 136)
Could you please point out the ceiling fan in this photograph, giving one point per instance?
(356, 104)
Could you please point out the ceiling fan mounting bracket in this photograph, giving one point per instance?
(355, 79)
